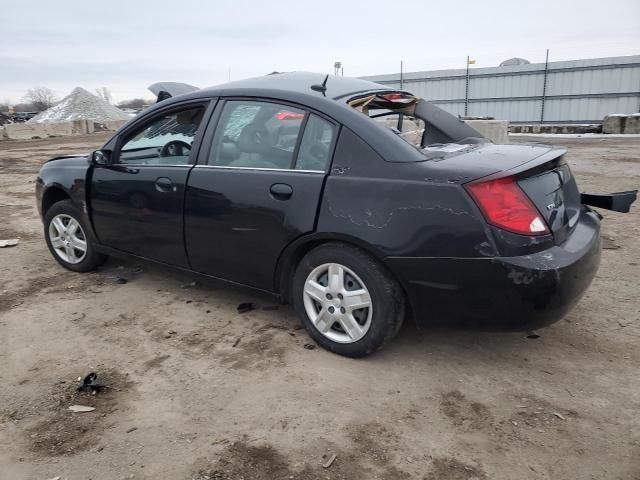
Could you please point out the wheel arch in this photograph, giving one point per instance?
(297, 249)
(53, 194)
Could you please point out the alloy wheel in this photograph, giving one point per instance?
(67, 238)
(338, 303)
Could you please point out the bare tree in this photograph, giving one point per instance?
(41, 97)
(105, 94)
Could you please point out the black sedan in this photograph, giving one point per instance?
(360, 204)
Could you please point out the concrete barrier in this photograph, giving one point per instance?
(27, 131)
(495, 130)
(618, 123)
(553, 128)
(114, 125)
(58, 129)
(82, 127)
(24, 131)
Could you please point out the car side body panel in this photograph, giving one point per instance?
(66, 174)
(363, 198)
(236, 228)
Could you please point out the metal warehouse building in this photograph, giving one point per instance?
(574, 91)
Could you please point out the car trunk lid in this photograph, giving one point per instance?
(552, 188)
(539, 170)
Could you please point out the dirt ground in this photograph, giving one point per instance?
(199, 391)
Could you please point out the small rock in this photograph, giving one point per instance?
(11, 242)
(132, 429)
(81, 408)
(121, 280)
(309, 346)
(330, 461)
(170, 333)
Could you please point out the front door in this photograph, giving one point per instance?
(137, 202)
(255, 189)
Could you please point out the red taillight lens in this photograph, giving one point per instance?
(398, 97)
(505, 205)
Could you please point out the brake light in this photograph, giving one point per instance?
(398, 97)
(506, 206)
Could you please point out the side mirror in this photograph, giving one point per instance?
(101, 157)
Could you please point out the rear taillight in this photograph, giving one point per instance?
(506, 206)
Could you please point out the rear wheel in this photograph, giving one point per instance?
(69, 238)
(347, 301)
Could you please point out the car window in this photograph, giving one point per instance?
(315, 147)
(407, 127)
(167, 140)
(256, 135)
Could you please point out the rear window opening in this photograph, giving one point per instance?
(416, 121)
(394, 110)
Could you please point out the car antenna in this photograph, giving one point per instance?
(321, 88)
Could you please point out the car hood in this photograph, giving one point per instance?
(76, 159)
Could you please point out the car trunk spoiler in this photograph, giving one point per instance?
(164, 90)
(441, 126)
(618, 201)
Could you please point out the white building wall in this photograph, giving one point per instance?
(577, 91)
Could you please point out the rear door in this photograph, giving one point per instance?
(137, 202)
(256, 188)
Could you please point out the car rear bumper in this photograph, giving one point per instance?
(513, 293)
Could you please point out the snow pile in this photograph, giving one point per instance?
(81, 105)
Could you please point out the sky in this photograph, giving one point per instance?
(128, 45)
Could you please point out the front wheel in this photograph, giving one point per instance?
(69, 238)
(347, 301)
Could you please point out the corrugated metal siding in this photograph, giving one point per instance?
(577, 90)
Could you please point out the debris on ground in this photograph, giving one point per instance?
(189, 285)
(329, 462)
(560, 416)
(309, 346)
(170, 333)
(532, 335)
(90, 383)
(81, 408)
(132, 429)
(608, 243)
(121, 280)
(235, 344)
(10, 242)
(246, 307)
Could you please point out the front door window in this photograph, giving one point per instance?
(166, 140)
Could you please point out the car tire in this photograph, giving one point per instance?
(69, 238)
(327, 306)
